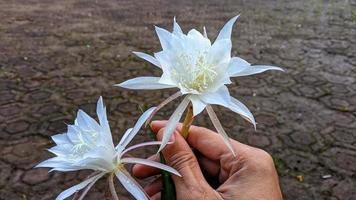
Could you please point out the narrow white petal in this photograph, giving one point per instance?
(161, 105)
(237, 65)
(241, 109)
(90, 186)
(219, 128)
(205, 33)
(141, 145)
(61, 139)
(144, 83)
(119, 147)
(220, 52)
(131, 185)
(220, 97)
(101, 112)
(151, 163)
(173, 121)
(148, 58)
(198, 105)
(225, 32)
(176, 28)
(255, 69)
(164, 37)
(68, 192)
(125, 141)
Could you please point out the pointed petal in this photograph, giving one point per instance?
(148, 58)
(85, 192)
(125, 141)
(141, 145)
(131, 185)
(219, 128)
(144, 83)
(119, 147)
(173, 121)
(198, 105)
(164, 37)
(161, 105)
(241, 109)
(151, 163)
(205, 33)
(176, 28)
(225, 32)
(61, 139)
(220, 97)
(220, 52)
(68, 192)
(237, 65)
(255, 69)
(101, 112)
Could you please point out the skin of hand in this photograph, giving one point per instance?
(203, 156)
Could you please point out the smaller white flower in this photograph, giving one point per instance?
(200, 70)
(88, 145)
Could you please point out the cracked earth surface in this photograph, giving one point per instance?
(58, 56)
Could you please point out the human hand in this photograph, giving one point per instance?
(204, 156)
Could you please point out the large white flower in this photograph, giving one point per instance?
(200, 70)
(88, 145)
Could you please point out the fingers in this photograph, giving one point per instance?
(154, 187)
(144, 171)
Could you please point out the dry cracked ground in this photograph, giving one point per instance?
(58, 56)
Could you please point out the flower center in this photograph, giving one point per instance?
(195, 74)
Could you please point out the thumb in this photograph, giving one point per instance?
(179, 156)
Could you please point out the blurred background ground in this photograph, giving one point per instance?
(58, 56)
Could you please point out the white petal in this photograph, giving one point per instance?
(176, 28)
(144, 83)
(173, 121)
(240, 108)
(131, 185)
(61, 139)
(68, 192)
(89, 187)
(219, 128)
(205, 33)
(162, 104)
(220, 97)
(164, 37)
(237, 65)
(101, 112)
(151, 163)
(220, 52)
(198, 105)
(119, 147)
(141, 145)
(86, 122)
(127, 139)
(148, 58)
(255, 69)
(225, 32)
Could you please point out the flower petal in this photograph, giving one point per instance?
(237, 65)
(173, 121)
(85, 192)
(61, 139)
(225, 32)
(162, 104)
(254, 69)
(68, 192)
(205, 33)
(141, 145)
(144, 83)
(219, 128)
(130, 135)
(151, 163)
(220, 97)
(148, 58)
(131, 185)
(176, 28)
(220, 52)
(198, 105)
(101, 112)
(164, 37)
(240, 108)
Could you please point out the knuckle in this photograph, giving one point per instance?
(182, 159)
(262, 162)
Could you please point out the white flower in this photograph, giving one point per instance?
(200, 70)
(88, 145)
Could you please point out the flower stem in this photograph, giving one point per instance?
(112, 187)
(188, 120)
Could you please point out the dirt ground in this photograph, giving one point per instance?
(58, 56)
